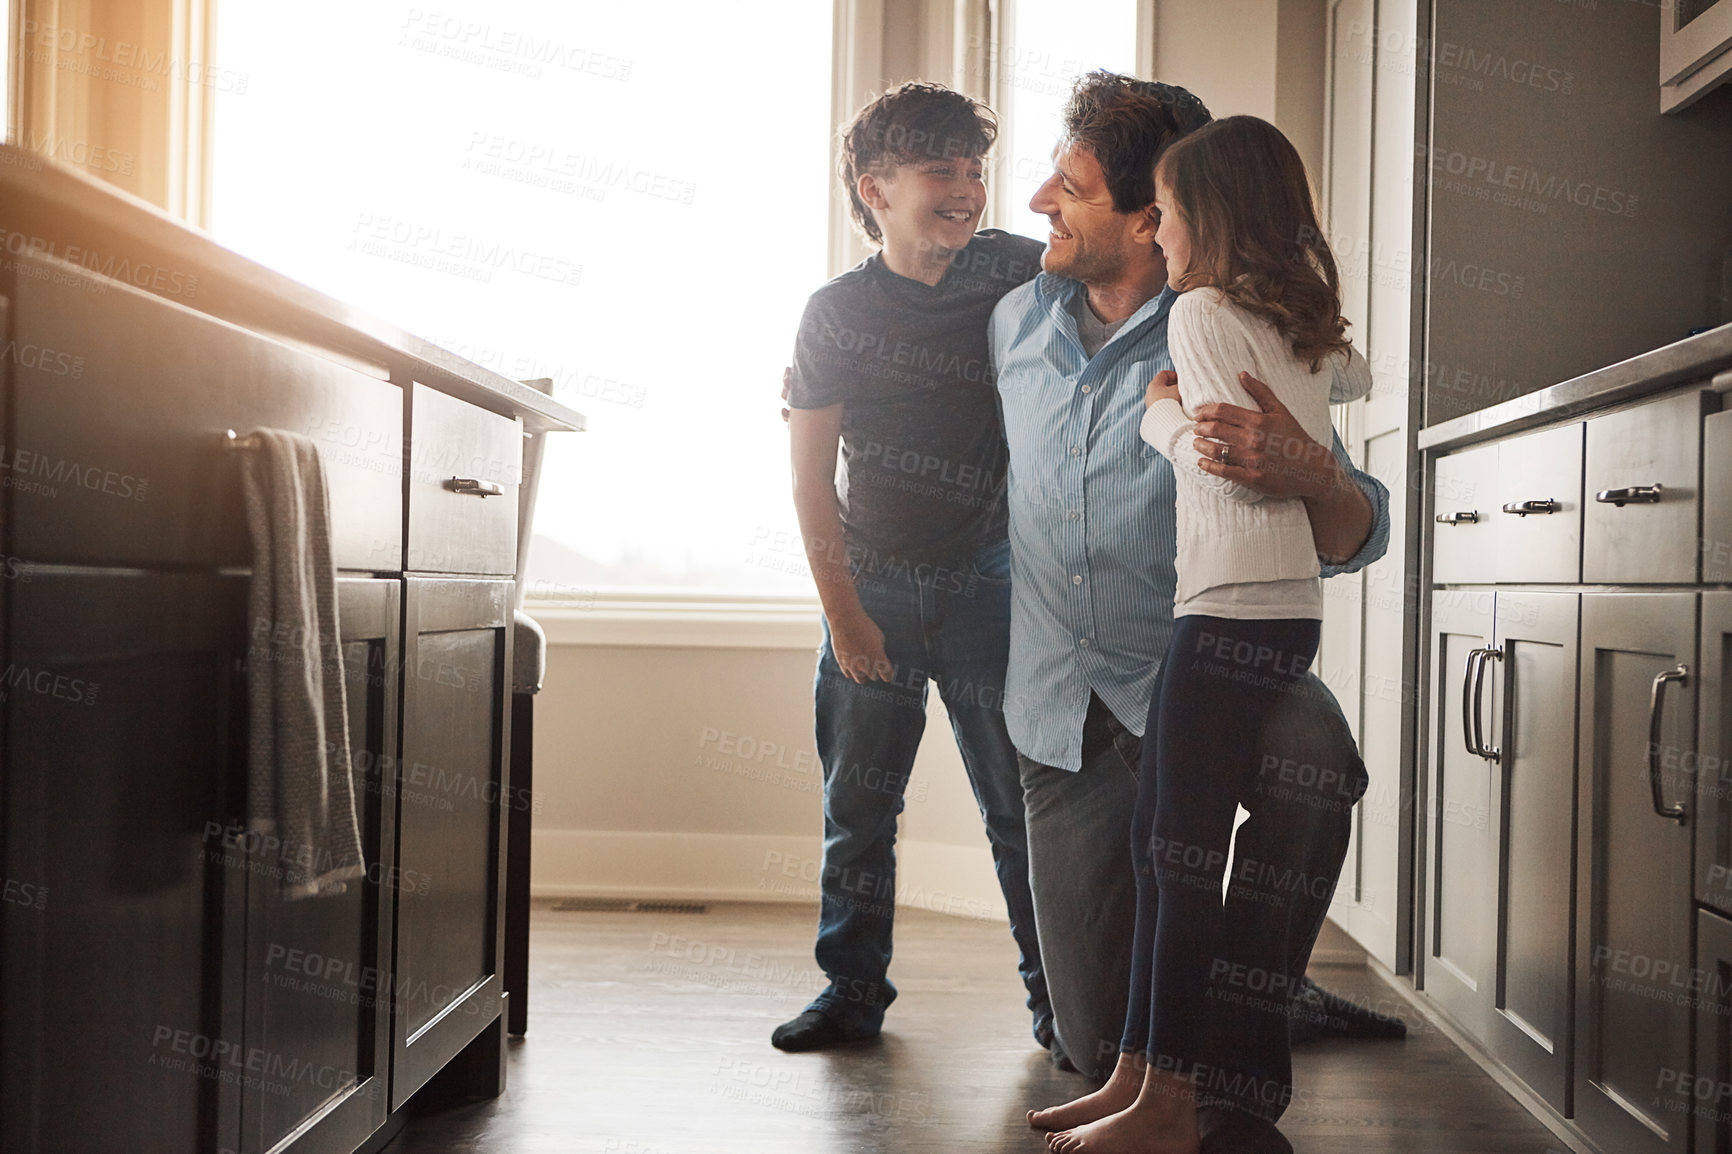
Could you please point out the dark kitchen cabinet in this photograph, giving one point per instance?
(1707, 1090)
(1500, 803)
(122, 705)
(451, 799)
(1634, 909)
(317, 972)
(128, 462)
(1596, 979)
(161, 993)
(1710, 766)
(1532, 816)
(1460, 868)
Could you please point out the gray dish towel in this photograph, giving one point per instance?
(299, 794)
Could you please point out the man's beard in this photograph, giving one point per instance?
(1091, 266)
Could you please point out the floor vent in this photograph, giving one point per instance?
(629, 906)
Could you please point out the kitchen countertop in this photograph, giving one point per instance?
(1701, 357)
(56, 211)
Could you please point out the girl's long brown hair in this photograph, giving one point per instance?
(1241, 187)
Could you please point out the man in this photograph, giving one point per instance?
(1092, 528)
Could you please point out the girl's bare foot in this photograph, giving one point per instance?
(1118, 1094)
(1163, 1120)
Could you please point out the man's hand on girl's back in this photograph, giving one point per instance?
(1270, 451)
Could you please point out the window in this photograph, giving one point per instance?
(1049, 44)
(631, 199)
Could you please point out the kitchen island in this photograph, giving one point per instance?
(161, 992)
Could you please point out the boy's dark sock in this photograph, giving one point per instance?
(814, 1030)
(1317, 1013)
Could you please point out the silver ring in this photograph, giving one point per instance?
(1225, 449)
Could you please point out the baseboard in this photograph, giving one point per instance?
(947, 879)
(718, 867)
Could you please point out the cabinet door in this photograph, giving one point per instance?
(124, 708)
(1634, 909)
(1531, 820)
(318, 975)
(1709, 1099)
(1712, 765)
(1460, 869)
(450, 828)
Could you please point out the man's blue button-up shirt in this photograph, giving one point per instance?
(1092, 520)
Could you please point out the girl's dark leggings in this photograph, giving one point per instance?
(1196, 980)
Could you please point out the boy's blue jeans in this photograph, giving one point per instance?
(950, 627)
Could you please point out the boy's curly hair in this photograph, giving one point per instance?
(909, 123)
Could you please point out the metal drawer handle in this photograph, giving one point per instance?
(1656, 704)
(1472, 695)
(1491, 752)
(1523, 508)
(1632, 495)
(473, 487)
(1473, 656)
(1470, 517)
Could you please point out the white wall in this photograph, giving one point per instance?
(1250, 57)
(674, 758)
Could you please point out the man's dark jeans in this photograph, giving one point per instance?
(1286, 860)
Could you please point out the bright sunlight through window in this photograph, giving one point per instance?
(629, 198)
(1049, 46)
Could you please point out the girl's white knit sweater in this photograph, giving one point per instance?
(1229, 534)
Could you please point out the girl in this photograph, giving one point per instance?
(1260, 289)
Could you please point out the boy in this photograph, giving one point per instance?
(908, 547)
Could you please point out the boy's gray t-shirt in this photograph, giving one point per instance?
(922, 441)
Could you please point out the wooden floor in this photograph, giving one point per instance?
(649, 1034)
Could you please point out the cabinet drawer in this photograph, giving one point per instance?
(1640, 492)
(1539, 502)
(118, 453)
(465, 464)
(1465, 512)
